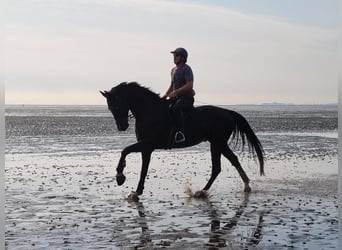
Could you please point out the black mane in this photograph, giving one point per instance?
(135, 87)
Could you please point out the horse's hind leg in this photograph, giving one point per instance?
(235, 162)
(216, 164)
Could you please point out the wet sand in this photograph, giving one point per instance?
(71, 201)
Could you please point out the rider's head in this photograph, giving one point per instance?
(182, 53)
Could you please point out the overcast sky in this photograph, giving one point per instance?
(241, 52)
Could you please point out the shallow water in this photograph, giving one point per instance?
(61, 191)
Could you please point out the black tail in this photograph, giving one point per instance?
(243, 131)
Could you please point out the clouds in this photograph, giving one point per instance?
(81, 46)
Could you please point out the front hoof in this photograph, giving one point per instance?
(120, 179)
(133, 197)
(202, 194)
(248, 189)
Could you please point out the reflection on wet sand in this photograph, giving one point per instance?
(219, 236)
(145, 237)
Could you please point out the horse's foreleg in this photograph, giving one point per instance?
(216, 165)
(120, 177)
(235, 162)
(146, 157)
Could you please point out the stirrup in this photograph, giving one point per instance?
(179, 137)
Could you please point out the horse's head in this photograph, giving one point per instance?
(118, 105)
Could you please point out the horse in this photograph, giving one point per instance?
(154, 127)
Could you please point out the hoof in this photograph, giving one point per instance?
(133, 197)
(247, 189)
(202, 194)
(120, 179)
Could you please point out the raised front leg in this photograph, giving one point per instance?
(120, 177)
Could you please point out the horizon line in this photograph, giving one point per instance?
(201, 103)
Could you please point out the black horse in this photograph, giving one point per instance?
(154, 128)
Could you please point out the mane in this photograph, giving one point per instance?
(134, 86)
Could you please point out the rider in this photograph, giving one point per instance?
(180, 90)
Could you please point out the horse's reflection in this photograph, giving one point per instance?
(145, 237)
(219, 236)
(222, 236)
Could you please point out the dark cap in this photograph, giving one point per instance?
(181, 52)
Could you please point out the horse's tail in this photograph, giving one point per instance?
(244, 131)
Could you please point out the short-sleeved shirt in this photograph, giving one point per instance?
(180, 76)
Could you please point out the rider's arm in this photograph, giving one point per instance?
(169, 90)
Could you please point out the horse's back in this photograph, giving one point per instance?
(212, 118)
(213, 112)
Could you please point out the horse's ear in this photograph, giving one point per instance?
(104, 93)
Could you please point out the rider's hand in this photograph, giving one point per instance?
(173, 94)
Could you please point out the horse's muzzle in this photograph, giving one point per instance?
(122, 126)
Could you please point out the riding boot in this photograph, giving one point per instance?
(179, 136)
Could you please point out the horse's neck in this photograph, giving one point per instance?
(146, 109)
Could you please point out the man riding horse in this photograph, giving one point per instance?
(180, 91)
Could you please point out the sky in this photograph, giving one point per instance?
(241, 52)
